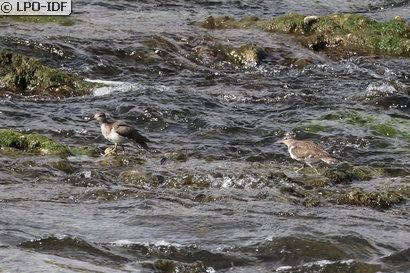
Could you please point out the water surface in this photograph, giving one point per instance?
(222, 203)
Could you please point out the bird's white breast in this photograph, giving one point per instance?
(291, 154)
(112, 136)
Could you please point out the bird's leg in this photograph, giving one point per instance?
(115, 147)
(123, 149)
(303, 166)
(310, 165)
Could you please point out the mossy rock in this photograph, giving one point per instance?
(40, 19)
(89, 151)
(177, 156)
(347, 31)
(341, 32)
(32, 143)
(28, 77)
(244, 55)
(167, 266)
(378, 200)
(219, 22)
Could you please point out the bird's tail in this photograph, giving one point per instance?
(144, 145)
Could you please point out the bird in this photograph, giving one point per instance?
(120, 133)
(306, 152)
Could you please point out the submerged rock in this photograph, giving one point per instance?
(27, 77)
(379, 200)
(89, 151)
(243, 55)
(167, 266)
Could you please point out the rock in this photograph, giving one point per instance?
(244, 55)
(167, 266)
(341, 34)
(32, 143)
(379, 200)
(27, 77)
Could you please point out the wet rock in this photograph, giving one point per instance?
(245, 55)
(105, 195)
(249, 55)
(288, 190)
(32, 143)
(340, 34)
(393, 102)
(89, 151)
(220, 22)
(177, 156)
(141, 179)
(168, 266)
(63, 165)
(347, 30)
(120, 161)
(340, 176)
(27, 77)
(311, 202)
(379, 200)
(296, 62)
(40, 19)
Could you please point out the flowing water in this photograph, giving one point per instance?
(220, 201)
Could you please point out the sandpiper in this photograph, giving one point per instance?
(306, 152)
(120, 133)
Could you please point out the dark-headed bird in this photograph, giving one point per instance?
(120, 133)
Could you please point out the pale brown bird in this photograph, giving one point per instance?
(120, 133)
(306, 152)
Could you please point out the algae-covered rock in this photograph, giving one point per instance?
(243, 55)
(380, 200)
(32, 143)
(61, 20)
(218, 22)
(167, 266)
(341, 32)
(63, 165)
(28, 77)
(178, 156)
(89, 151)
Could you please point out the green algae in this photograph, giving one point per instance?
(168, 266)
(380, 124)
(64, 166)
(291, 23)
(28, 77)
(89, 151)
(32, 143)
(38, 19)
(313, 192)
(378, 200)
(385, 130)
(246, 54)
(178, 156)
(347, 32)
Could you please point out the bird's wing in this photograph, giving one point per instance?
(310, 150)
(127, 131)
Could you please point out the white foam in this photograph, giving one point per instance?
(113, 86)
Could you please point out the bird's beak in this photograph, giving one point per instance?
(279, 141)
